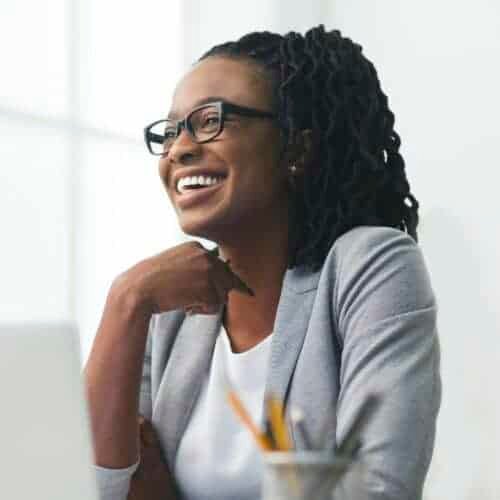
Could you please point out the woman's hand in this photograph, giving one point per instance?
(152, 479)
(187, 276)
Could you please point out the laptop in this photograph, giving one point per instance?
(46, 451)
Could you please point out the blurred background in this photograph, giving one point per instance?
(80, 200)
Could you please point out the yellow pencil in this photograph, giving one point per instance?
(275, 414)
(261, 439)
(276, 417)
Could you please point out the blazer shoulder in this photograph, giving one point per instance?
(369, 258)
(363, 238)
(363, 244)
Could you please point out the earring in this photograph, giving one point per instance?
(293, 169)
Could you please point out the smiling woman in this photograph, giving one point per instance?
(282, 151)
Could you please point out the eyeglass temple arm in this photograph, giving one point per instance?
(228, 108)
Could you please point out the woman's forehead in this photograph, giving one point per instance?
(236, 81)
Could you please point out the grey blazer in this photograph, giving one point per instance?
(365, 322)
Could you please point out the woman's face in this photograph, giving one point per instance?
(253, 193)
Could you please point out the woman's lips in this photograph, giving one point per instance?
(194, 196)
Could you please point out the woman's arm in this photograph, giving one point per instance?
(386, 320)
(183, 277)
(113, 375)
(186, 276)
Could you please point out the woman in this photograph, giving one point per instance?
(282, 151)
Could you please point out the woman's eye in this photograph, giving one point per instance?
(210, 120)
(169, 133)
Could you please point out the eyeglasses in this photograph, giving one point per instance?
(203, 124)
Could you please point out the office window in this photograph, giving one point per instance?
(80, 197)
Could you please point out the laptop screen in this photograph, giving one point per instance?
(44, 425)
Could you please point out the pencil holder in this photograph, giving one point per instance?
(301, 475)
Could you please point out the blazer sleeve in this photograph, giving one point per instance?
(385, 313)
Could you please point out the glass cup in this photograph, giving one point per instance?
(302, 475)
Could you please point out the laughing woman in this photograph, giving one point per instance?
(282, 151)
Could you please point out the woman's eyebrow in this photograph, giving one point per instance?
(173, 114)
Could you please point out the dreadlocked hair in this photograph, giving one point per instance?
(322, 82)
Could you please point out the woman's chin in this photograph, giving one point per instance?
(202, 228)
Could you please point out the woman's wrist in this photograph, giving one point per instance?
(131, 298)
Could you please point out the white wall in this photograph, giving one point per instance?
(35, 263)
(218, 21)
(439, 64)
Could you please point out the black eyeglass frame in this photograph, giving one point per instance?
(223, 108)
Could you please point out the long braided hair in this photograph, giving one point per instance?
(322, 82)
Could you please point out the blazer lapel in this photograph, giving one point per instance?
(292, 318)
(187, 368)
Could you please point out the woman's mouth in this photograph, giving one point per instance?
(193, 190)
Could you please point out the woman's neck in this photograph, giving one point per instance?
(248, 320)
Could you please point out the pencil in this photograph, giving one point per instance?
(260, 438)
(276, 418)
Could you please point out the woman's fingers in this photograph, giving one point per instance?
(147, 433)
(151, 453)
(222, 280)
(152, 479)
(187, 277)
(228, 280)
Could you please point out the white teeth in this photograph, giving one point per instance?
(199, 180)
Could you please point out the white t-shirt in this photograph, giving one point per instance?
(217, 456)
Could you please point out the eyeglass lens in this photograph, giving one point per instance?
(202, 124)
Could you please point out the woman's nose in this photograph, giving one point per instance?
(184, 149)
